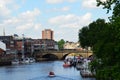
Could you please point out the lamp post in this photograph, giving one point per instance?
(86, 51)
(22, 46)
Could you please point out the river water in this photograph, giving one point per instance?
(40, 71)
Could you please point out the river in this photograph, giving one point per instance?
(40, 71)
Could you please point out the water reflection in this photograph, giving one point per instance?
(40, 71)
(52, 78)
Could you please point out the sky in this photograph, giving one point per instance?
(64, 17)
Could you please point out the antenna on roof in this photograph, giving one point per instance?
(3, 31)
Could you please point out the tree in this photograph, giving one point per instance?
(107, 4)
(61, 43)
(107, 49)
(104, 38)
(83, 39)
(90, 34)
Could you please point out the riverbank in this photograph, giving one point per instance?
(5, 63)
(6, 60)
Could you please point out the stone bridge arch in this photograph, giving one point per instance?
(76, 54)
(50, 56)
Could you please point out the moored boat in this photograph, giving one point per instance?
(32, 60)
(25, 61)
(66, 65)
(15, 61)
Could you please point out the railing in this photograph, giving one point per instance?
(64, 51)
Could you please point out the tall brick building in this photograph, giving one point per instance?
(47, 34)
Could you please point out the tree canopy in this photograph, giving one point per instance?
(61, 43)
(104, 38)
(92, 33)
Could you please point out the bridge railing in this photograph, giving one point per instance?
(63, 51)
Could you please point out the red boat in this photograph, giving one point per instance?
(66, 65)
(51, 74)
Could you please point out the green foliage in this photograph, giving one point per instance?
(83, 38)
(105, 40)
(107, 4)
(92, 33)
(61, 43)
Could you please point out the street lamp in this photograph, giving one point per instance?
(22, 45)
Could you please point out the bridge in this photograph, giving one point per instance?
(62, 54)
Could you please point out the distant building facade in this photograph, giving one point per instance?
(47, 34)
(44, 44)
(26, 46)
(15, 44)
(71, 45)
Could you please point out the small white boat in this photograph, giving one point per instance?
(15, 61)
(25, 61)
(51, 75)
(32, 60)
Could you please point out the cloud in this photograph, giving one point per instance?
(37, 26)
(25, 26)
(63, 9)
(5, 11)
(89, 3)
(5, 2)
(54, 1)
(59, 1)
(72, 0)
(23, 1)
(30, 14)
(7, 8)
(23, 21)
(62, 19)
(71, 20)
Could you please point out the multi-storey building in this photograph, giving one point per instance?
(24, 45)
(44, 44)
(47, 34)
(16, 44)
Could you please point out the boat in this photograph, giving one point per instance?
(27, 60)
(32, 60)
(86, 73)
(24, 61)
(15, 61)
(66, 65)
(51, 74)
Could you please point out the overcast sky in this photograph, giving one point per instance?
(64, 17)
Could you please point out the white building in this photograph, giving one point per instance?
(2, 47)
